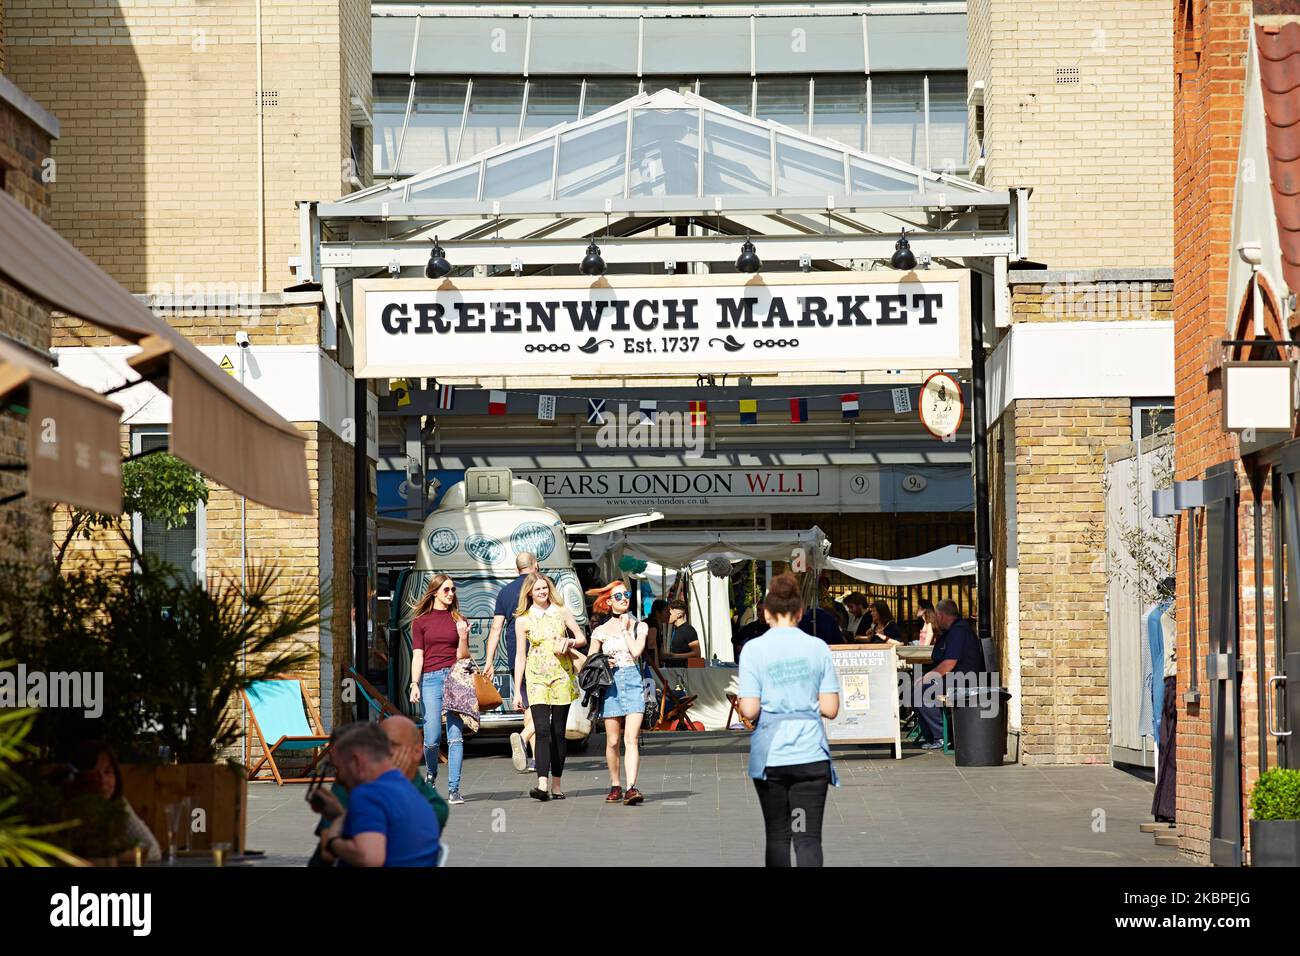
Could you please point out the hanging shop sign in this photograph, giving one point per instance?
(941, 406)
(662, 325)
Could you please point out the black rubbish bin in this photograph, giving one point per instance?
(979, 725)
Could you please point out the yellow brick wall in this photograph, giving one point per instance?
(1060, 447)
(1098, 154)
(158, 162)
(1092, 301)
(277, 325)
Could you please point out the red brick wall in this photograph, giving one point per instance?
(1210, 46)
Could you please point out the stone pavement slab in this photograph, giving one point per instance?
(701, 810)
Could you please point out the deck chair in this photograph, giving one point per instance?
(280, 711)
(735, 709)
(674, 710)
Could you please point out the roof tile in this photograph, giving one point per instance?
(1279, 73)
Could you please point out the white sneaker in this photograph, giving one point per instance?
(517, 755)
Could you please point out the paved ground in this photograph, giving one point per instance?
(700, 810)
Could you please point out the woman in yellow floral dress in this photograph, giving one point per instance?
(546, 668)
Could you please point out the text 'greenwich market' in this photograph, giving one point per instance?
(651, 314)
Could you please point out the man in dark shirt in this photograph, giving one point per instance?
(503, 620)
(685, 642)
(957, 652)
(821, 623)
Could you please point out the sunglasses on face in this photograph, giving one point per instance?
(619, 596)
(447, 589)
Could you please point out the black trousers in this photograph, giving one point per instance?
(1164, 803)
(549, 720)
(793, 799)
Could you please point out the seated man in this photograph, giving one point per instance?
(387, 822)
(408, 756)
(957, 652)
(684, 642)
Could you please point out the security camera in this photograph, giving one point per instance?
(394, 268)
(241, 339)
(517, 267)
(670, 265)
(924, 260)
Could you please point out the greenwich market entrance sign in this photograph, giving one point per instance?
(669, 325)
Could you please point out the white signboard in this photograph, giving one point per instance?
(670, 325)
(598, 492)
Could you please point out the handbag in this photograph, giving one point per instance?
(488, 695)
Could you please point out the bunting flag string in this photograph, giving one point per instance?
(902, 402)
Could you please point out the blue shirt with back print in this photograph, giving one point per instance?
(786, 669)
(391, 805)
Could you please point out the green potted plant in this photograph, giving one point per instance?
(1275, 819)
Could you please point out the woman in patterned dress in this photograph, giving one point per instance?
(546, 668)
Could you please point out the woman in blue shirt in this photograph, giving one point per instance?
(788, 684)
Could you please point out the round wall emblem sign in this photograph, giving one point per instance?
(484, 550)
(443, 541)
(534, 537)
(914, 482)
(941, 405)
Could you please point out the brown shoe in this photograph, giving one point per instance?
(615, 795)
(632, 797)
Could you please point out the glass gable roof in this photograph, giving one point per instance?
(668, 145)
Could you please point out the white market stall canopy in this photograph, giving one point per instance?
(678, 549)
(607, 525)
(954, 561)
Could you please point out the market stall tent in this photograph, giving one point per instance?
(954, 561)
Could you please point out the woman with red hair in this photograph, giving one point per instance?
(622, 638)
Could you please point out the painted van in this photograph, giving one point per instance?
(474, 535)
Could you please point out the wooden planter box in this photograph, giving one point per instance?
(220, 790)
(1275, 843)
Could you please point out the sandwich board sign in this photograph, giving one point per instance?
(868, 696)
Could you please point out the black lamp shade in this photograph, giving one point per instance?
(748, 260)
(903, 259)
(438, 267)
(592, 263)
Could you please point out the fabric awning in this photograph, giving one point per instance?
(954, 561)
(74, 453)
(218, 426)
(620, 523)
(677, 549)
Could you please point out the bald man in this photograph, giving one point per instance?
(408, 756)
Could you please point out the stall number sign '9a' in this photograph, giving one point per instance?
(671, 325)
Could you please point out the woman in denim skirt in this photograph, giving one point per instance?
(622, 638)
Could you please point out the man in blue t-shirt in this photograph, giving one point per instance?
(387, 821)
(503, 620)
(957, 652)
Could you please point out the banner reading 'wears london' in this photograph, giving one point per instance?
(671, 325)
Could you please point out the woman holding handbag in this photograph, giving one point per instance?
(439, 638)
(623, 639)
(543, 626)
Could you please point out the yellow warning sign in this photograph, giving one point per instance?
(227, 365)
(401, 388)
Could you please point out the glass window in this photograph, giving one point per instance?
(653, 84)
(715, 44)
(733, 92)
(461, 184)
(803, 169)
(785, 100)
(840, 110)
(523, 173)
(581, 45)
(388, 106)
(737, 158)
(897, 118)
(865, 177)
(494, 108)
(1150, 417)
(462, 45)
(435, 124)
(550, 103)
(808, 44)
(665, 153)
(591, 159)
(933, 40)
(178, 548)
(391, 42)
(947, 122)
(602, 94)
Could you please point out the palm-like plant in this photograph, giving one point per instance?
(21, 843)
(194, 649)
